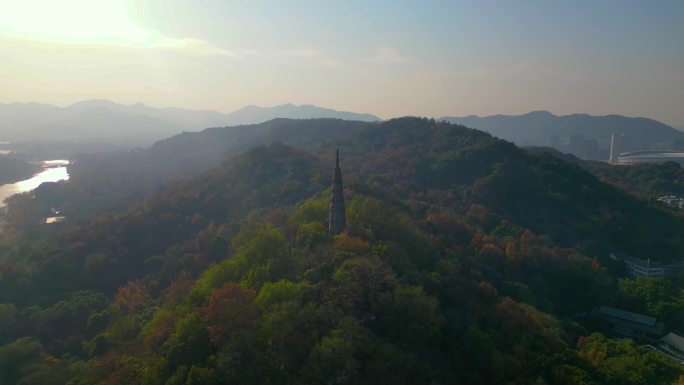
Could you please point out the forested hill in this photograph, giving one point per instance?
(426, 161)
(12, 170)
(465, 260)
(109, 182)
(647, 181)
(542, 128)
(189, 154)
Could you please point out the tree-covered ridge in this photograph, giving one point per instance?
(647, 181)
(230, 277)
(12, 170)
(584, 135)
(110, 249)
(110, 182)
(429, 162)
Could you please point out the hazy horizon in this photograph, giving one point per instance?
(386, 58)
(332, 108)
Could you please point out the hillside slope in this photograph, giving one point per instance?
(414, 159)
(450, 271)
(109, 182)
(12, 170)
(419, 158)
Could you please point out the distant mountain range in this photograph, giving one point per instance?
(137, 124)
(191, 153)
(584, 135)
(254, 114)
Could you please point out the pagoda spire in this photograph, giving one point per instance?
(337, 220)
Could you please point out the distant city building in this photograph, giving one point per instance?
(673, 344)
(636, 267)
(615, 146)
(639, 268)
(337, 220)
(627, 324)
(650, 156)
(672, 201)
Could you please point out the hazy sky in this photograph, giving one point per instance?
(389, 58)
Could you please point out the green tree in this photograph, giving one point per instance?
(656, 296)
(189, 344)
(9, 321)
(14, 357)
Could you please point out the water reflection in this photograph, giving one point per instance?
(53, 171)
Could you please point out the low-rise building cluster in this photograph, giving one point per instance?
(637, 267)
(673, 344)
(672, 201)
(622, 323)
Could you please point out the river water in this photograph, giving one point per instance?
(53, 171)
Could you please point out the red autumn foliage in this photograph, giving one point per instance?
(131, 297)
(231, 309)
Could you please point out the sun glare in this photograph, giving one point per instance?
(78, 22)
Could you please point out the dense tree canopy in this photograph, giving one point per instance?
(465, 261)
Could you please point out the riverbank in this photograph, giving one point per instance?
(46, 171)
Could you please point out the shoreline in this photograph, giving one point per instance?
(46, 171)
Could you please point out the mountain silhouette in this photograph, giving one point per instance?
(102, 120)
